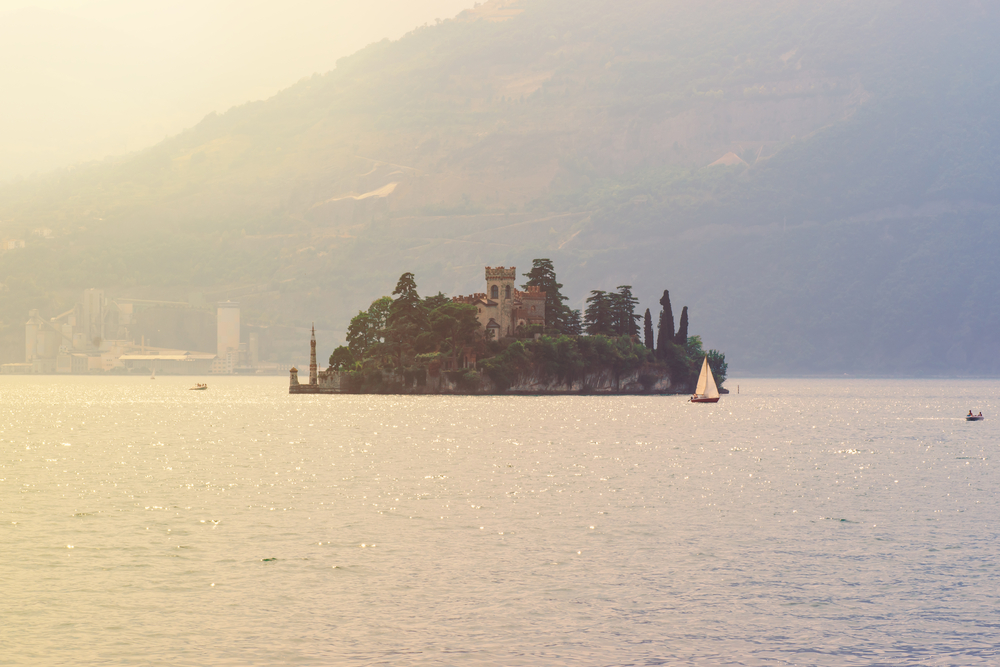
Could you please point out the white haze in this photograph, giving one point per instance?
(84, 79)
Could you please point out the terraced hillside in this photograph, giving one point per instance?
(850, 228)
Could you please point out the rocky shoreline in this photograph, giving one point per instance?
(602, 382)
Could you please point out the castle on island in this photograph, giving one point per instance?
(501, 309)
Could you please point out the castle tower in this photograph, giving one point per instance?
(500, 288)
(313, 375)
(293, 379)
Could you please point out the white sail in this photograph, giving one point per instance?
(706, 382)
(703, 379)
(711, 391)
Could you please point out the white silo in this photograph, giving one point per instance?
(228, 328)
(31, 328)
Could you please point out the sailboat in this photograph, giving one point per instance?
(152, 375)
(706, 391)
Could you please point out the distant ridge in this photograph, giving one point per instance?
(579, 130)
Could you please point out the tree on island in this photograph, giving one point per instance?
(665, 330)
(367, 328)
(682, 328)
(342, 359)
(543, 276)
(574, 324)
(598, 319)
(647, 330)
(455, 324)
(407, 319)
(695, 353)
(717, 362)
(624, 320)
(407, 334)
(435, 301)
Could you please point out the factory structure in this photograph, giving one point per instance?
(102, 335)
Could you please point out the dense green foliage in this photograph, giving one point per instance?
(417, 335)
(625, 320)
(574, 324)
(598, 319)
(717, 362)
(367, 328)
(342, 359)
(564, 358)
(557, 313)
(612, 313)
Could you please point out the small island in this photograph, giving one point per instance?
(511, 341)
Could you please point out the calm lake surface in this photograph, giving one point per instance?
(803, 522)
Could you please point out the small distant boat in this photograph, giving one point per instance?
(199, 387)
(706, 391)
(152, 376)
(974, 418)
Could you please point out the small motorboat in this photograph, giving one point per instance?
(199, 387)
(974, 418)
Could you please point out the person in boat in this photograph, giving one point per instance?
(970, 414)
(980, 414)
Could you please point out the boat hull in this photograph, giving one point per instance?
(704, 400)
(975, 418)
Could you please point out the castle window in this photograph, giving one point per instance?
(494, 292)
(506, 292)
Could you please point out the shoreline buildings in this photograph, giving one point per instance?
(97, 336)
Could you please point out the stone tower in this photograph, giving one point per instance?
(500, 288)
(313, 375)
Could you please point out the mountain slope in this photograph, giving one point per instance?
(855, 233)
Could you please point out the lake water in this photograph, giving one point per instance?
(803, 522)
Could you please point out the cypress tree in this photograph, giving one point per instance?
(682, 330)
(665, 333)
(647, 330)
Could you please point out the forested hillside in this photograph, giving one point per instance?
(852, 227)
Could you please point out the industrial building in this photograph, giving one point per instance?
(228, 338)
(99, 335)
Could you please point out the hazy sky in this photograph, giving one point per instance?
(83, 79)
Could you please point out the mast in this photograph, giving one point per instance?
(313, 378)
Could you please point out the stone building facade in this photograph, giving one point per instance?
(502, 308)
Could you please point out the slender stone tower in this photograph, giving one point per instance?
(313, 376)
